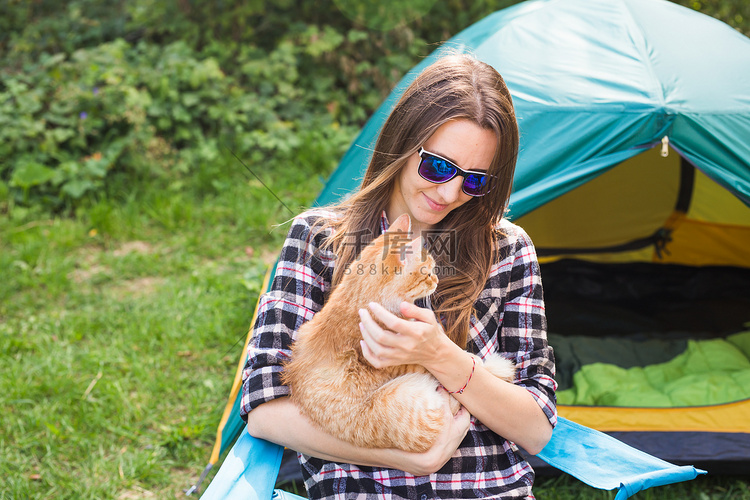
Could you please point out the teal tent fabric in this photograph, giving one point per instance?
(249, 471)
(594, 82)
(604, 462)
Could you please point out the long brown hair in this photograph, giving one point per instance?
(454, 87)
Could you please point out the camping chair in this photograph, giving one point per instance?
(250, 469)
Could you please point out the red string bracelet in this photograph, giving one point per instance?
(461, 390)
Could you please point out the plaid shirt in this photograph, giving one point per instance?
(509, 319)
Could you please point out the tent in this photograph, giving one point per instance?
(633, 180)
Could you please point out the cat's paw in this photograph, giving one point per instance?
(453, 403)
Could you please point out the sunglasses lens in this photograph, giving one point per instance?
(436, 169)
(475, 185)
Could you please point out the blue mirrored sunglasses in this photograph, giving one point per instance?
(439, 170)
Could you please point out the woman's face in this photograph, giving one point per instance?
(464, 143)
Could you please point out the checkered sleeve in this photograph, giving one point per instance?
(296, 294)
(524, 325)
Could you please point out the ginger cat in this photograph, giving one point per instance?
(334, 385)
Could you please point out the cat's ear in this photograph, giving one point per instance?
(401, 225)
(412, 251)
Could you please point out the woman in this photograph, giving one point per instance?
(446, 156)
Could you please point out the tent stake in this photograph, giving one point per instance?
(197, 485)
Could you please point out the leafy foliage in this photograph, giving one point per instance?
(68, 123)
(736, 13)
(148, 90)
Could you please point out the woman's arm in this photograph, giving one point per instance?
(508, 409)
(281, 422)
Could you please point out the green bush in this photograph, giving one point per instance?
(95, 95)
(67, 123)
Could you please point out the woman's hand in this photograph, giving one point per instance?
(454, 431)
(413, 340)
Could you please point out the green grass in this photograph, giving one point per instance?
(120, 330)
(121, 326)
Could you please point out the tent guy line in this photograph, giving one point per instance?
(261, 181)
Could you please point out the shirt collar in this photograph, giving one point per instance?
(384, 223)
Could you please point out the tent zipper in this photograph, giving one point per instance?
(664, 146)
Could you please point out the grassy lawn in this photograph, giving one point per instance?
(120, 330)
(121, 326)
